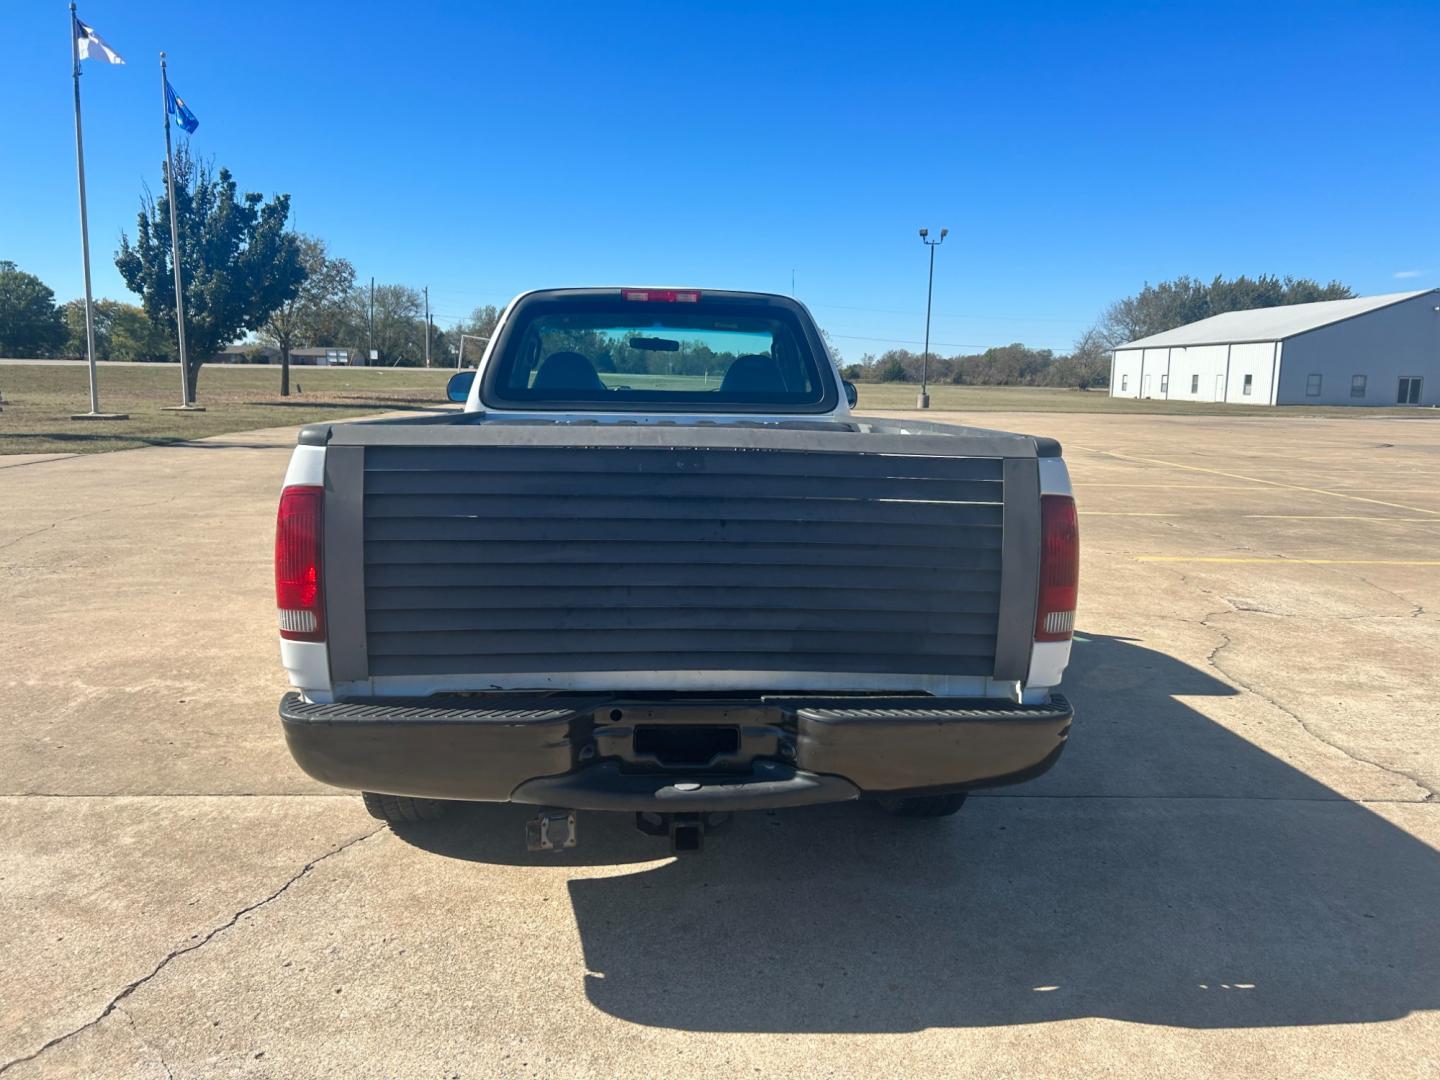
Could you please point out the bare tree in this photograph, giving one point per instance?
(304, 317)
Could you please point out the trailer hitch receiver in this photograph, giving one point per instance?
(686, 831)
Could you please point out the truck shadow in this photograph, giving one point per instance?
(1166, 871)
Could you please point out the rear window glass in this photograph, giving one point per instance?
(618, 353)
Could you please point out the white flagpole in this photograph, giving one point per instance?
(187, 403)
(94, 413)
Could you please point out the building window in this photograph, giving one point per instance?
(1249, 382)
(1194, 384)
(1357, 386)
(1312, 386)
(1124, 382)
(1164, 384)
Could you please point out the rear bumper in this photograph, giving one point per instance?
(576, 752)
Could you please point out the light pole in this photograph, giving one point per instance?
(923, 402)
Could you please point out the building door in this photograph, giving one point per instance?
(1409, 393)
(1219, 387)
(1145, 389)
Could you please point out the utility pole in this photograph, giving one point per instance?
(923, 402)
(427, 325)
(372, 358)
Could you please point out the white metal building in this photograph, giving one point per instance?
(1370, 350)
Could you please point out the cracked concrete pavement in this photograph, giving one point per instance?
(1232, 871)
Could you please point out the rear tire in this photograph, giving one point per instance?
(399, 809)
(923, 806)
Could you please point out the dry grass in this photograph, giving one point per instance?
(39, 399)
(945, 397)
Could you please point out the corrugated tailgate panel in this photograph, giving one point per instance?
(521, 559)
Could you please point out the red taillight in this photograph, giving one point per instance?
(297, 564)
(662, 296)
(1059, 568)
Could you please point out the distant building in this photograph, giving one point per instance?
(246, 354)
(1370, 350)
(327, 357)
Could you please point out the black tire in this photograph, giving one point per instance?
(923, 806)
(399, 809)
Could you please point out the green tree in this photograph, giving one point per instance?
(122, 332)
(891, 367)
(133, 336)
(1004, 365)
(1157, 308)
(237, 260)
(307, 316)
(30, 323)
(399, 323)
(73, 314)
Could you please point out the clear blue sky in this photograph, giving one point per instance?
(1073, 152)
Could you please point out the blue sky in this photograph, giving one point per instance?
(1073, 152)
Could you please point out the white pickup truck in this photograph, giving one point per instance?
(657, 566)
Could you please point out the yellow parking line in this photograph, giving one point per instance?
(1281, 561)
(1255, 480)
(1265, 517)
(1337, 517)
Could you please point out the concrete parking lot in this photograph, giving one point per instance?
(1233, 871)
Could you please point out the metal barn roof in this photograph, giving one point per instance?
(1269, 324)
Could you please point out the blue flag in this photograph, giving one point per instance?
(175, 105)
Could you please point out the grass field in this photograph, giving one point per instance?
(39, 399)
(945, 397)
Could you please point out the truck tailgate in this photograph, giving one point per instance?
(483, 552)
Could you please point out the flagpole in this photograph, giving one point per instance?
(187, 404)
(94, 413)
